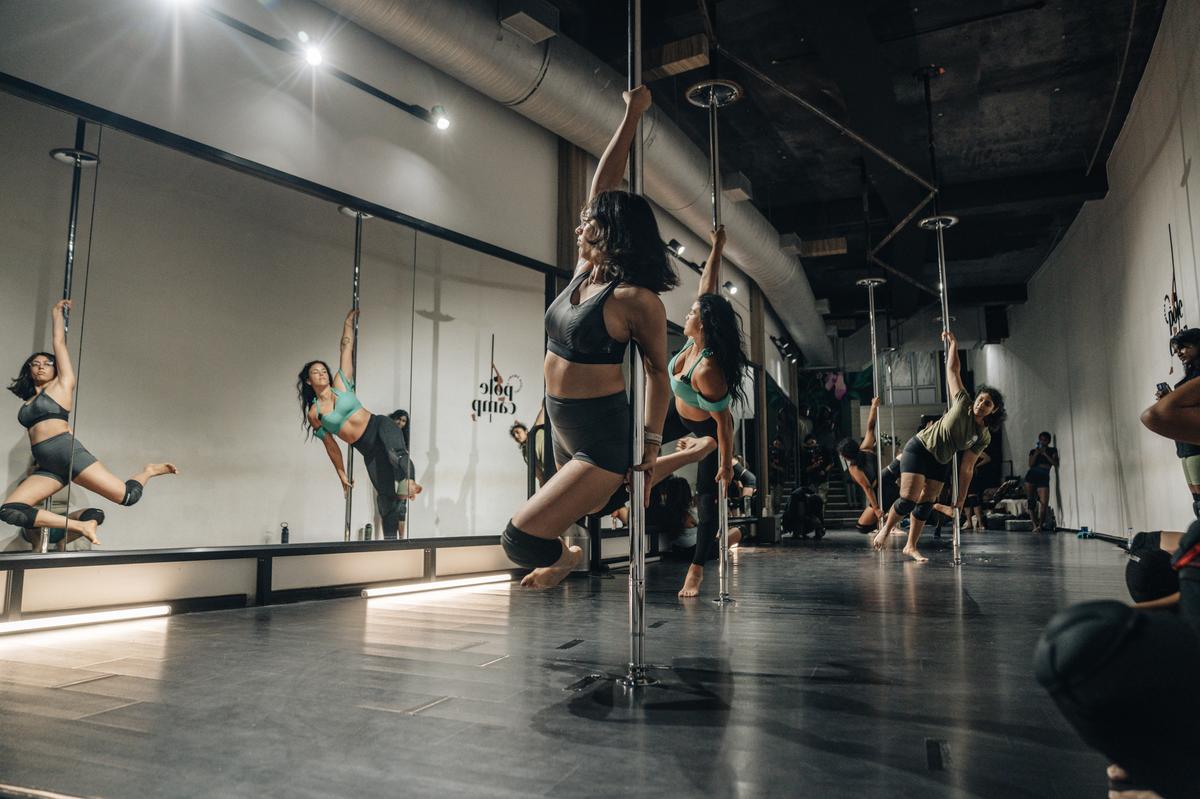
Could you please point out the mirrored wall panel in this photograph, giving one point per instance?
(227, 394)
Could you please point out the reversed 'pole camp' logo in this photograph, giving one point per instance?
(497, 394)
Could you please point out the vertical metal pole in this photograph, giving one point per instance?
(358, 226)
(891, 401)
(637, 675)
(875, 387)
(76, 158)
(938, 223)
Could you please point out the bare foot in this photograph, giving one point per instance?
(915, 555)
(550, 576)
(155, 469)
(878, 540)
(89, 531)
(735, 537)
(691, 583)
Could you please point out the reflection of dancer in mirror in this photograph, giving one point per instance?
(612, 298)
(706, 378)
(332, 411)
(47, 384)
(407, 487)
(965, 429)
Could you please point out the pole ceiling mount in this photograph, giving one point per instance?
(72, 157)
(870, 282)
(717, 92)
(940, 222)
(353, 213)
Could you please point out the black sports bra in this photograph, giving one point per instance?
(576, 331)
(39, 409)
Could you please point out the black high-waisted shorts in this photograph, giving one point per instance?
(593, 430)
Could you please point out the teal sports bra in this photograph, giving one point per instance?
(682, 386)
(345, 404)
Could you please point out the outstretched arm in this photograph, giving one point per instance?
(611, 169)
(649, 330)
(710, 278)
(335, 456)
(346, 348)
(966, 472)
(954, 383)
(64, 371)
(868, 442)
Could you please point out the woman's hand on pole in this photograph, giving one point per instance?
(637, 100)
(646, 467)
(347, 484)
(725, 474)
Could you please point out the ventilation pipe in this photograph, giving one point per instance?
(570, 92)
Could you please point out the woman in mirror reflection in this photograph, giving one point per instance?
(706, 378)
(331, 411)
(46, 383)
(611, 299)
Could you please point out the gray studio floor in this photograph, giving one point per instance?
(838, 673)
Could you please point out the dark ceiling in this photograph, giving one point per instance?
(1025, 107)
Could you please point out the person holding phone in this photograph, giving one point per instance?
(1042, 458)
(1185, 345)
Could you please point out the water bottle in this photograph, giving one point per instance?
(283, 533)
(368, 533)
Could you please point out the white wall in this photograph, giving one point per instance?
(172, 66)
(1088, 348)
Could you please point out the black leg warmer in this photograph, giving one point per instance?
(528, 550)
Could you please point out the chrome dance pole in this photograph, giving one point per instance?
(870, 284)
(78, 159)
(939, 223)
(637, 674)
(715, 94)
(358, 217)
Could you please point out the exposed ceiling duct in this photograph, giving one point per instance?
(570, 92)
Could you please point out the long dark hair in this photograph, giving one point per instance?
(723, 335)
(23, 384)
(307, 395)
(999, 414)
(396, 416)
(629, 238)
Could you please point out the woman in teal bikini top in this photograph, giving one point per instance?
(706, 377)
(377, 438)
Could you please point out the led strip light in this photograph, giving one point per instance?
(414, 588)
(80, 619)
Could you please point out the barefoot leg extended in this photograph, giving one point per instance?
(35, 489)
(99, 479)
(912, 486)
(577, 489)
(929, 493)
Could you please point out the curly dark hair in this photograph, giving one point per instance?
(723, 335)
(306, 393)
(629, 238)
(23, 385)
(396, 416)
(996, 418)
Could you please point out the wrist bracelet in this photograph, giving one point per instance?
(652, 437)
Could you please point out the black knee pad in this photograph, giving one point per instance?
(1148, 572)
(133, 492)
(92, 515)
(904, 506)
(528, 550)
(18, 514)
(864, 528)
(1121, 677)
(923, 511)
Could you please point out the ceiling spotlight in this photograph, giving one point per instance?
(728, 286)
(303, 37)
(313, 56)
(674, 246)
(439, 117)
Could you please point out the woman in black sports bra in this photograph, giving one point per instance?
(47, 384)
(612, 298)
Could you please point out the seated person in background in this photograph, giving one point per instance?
(815, 465)
(745, 486)
(520, 434)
